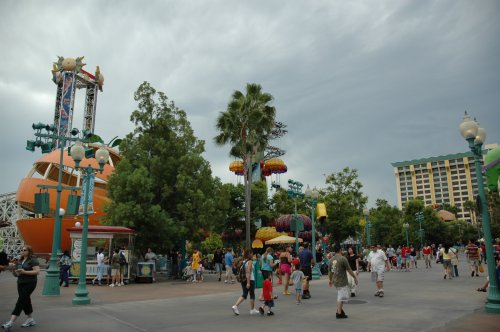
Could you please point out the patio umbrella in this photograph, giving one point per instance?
(257, 244)
(283, 239)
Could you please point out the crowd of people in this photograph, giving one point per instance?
(278, 267)
(343, 267)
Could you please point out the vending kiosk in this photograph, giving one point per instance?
(106, 238)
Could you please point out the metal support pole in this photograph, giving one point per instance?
(51, 284)
(493, 297)
(316, 273)
(81, 293)
(420, 217)
(294, 191)
(296, 228)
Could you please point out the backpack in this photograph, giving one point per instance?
(242, 275)
(122, 260)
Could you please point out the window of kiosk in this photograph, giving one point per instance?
(92, 246)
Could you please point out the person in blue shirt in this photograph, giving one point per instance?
(268, 263)
(228, 261)
(306, 264)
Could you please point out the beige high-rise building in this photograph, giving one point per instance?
(449, 179)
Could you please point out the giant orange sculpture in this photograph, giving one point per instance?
(38, 231)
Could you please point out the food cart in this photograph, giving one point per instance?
(106, 237)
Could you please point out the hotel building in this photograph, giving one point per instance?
(449, 179)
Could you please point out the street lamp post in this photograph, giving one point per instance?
(419, 216)
(406, 226)
(45, 142)
(102, 156)
(368, 228)
(294, 191)
(312, 197)
(476, 136)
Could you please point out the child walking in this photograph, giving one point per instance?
(267, 291)
(398, 262)
(297, 278)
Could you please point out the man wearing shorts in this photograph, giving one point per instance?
(338, 267)
(473, 257)
(228, 260)
(427, 255)
(377, 262)
(306, 264)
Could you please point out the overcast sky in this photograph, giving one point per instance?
(359, 83)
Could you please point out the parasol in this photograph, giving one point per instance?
(283, 239)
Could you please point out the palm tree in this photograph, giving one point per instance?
(471, 207)
(246, 125)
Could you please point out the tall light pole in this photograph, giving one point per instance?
(406, 226)
(368, 228)
(419, 216)
(475, 136)
(312, 198)
(294, 191)
(45, 142)
(102, 156)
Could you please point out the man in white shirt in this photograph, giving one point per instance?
(100, 267)
(378, 263)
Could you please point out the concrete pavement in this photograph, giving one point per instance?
(420, 300)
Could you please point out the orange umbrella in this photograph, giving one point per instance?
(257, 244)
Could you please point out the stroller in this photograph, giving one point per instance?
(188, 274)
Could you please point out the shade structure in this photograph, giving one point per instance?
(257, 244)
(283, 239)
(444, 215)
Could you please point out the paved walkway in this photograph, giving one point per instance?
(420, 300)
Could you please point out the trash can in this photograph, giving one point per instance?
(145, 272)
(259, 279)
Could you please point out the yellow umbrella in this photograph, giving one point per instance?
(283, 239)
(257, 244)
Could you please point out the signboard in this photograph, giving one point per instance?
(66, 106)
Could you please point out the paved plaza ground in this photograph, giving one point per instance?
(420, 300)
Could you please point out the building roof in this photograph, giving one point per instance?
(432, 159)
(486, 148)
(103, 229)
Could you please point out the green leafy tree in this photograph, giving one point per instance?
(246, 126)
(386, 223)
(471, 207)
(163, 187)
(494, 210)
(435, 230)
(344, 202)
(211, 243)
(461, 231)
(451, 208)
(261, 204)
(230, 206)
(280, 203)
